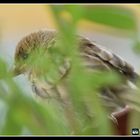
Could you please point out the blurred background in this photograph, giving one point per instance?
(18, 20)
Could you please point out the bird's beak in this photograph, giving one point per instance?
(17, 70)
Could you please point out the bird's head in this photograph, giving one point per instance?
(30, 45)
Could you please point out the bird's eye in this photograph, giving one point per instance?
(24, 55)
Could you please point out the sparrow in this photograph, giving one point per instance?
(94, 57)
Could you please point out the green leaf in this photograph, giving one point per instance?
(3, 69)
(114, 16)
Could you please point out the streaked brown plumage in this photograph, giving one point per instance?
(95, 58)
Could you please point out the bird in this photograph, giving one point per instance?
(94, 57)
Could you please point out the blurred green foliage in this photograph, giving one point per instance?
(20, 112)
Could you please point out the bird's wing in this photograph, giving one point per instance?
(97, 58)
(95, 54)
